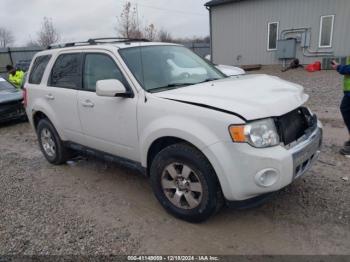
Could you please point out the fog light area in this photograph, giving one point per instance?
(267, 177)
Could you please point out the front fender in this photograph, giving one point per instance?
(176, 126)
(193, 132)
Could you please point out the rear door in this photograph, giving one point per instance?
(109, 123)
(61, 94)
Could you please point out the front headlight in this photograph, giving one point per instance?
(260, 133)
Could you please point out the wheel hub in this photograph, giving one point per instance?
(182, 186)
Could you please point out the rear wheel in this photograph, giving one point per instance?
(185, 183)
(50, 143)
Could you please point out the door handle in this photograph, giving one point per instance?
(50, 97)
(88, 103)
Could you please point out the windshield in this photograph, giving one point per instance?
(4, 85)
(159, 68)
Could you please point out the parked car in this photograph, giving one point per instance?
(11, 106)
(23, 65)
(199, 135)
(227, 69)
(230, 70)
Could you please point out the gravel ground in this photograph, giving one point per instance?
(94, 207)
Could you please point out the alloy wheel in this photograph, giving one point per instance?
(48, 143)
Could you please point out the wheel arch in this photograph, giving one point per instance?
(38, 114)
(159, 144)
(162, 142)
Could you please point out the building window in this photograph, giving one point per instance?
(326, 31)
(272, 36)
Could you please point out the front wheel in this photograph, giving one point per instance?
(185, 183)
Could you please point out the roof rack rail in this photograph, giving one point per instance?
(96, 41)
(104, 40)
(70, 44)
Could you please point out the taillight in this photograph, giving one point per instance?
(25, 97)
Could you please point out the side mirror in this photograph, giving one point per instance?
(111, 88)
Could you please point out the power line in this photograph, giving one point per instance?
(171, 10)
(166, 9)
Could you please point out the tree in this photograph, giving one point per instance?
(150, 32)
(164, 36)
(128, 24)
(48, 33)
(6, 37)
(207, 39)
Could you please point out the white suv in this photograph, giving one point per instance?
(201, 137)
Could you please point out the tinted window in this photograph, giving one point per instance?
(38, 70)
(100, 67)
(67, 71)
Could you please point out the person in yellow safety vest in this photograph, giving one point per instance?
(345, 105)
(15, 76)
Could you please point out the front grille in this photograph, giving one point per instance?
(295, 124)
(11, 109)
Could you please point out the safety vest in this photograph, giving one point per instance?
(17, 78)
(347, 78)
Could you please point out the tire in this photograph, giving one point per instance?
(51, 144)
(185, 183)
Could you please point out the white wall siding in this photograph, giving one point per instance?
(240, 29)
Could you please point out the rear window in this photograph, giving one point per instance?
(38, 70)
(4, 85)
(66, 72)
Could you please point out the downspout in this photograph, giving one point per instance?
(211, 34)
(10, 55)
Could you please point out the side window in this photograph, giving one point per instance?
(272, 36)
(66, 72)
(38, 70)
(100, 67)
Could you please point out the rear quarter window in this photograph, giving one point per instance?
(38, 69)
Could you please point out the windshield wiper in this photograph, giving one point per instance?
(174, 85)
(169, 86)
(209, 80)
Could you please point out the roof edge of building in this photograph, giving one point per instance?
(220, 2)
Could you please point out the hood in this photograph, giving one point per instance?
(250, 96)
(10, 95)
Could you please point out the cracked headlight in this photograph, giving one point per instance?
(260, 133)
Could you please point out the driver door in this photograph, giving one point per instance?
(109, 123)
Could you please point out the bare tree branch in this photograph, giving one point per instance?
(48, 33)
(150, 32)
(128, 24)
(6, 37)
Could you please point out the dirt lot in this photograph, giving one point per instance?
(93, 207)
